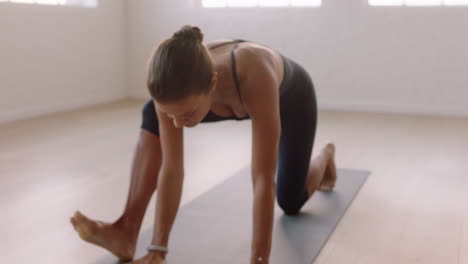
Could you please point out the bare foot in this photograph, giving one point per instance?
(113, 237)
(329, 179)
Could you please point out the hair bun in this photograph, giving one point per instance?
(189, 32)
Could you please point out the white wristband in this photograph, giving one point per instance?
(157, 248)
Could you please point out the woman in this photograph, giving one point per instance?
(192, 83)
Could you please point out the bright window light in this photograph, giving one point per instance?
(242, 3)
(423, 2)
(214, 3)
(418, 2)
(260, 3)
(23, 1)
(83, 3)
(50, 2)
(306, 2)
(386, 2)
(271, 3)
(456, 2)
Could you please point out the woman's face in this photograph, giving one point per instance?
(191, 110)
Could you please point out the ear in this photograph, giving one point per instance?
(213, 82)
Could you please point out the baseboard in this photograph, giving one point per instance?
(40, 110)
(441, 110)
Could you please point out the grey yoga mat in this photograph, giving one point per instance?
(216, 227)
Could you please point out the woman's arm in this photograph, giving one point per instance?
(171, 178)
(264, 156)
(261, 99)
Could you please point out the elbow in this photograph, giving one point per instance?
(170, 175)
(264, 187)
(171, 168)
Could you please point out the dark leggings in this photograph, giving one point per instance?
(298, 110)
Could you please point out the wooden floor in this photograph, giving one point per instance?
(412, 209)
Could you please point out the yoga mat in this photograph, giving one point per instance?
(216, 227)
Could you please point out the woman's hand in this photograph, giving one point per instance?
(257, 261)
(150, 258)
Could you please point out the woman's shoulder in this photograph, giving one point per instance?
(259, 68)
(255, 52)
(217, 42)
(253, 57)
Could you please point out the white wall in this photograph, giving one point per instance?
(54, 58)
(407, 60)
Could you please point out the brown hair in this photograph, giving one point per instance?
(180, 66)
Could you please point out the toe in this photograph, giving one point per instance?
(326, 187)
(73, 221)
(79, 214)
(331, 146)
(81, 217)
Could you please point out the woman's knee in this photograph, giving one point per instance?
(289, 205)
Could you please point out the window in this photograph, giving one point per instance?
(83, 3)
(261, 3)
(418, 2)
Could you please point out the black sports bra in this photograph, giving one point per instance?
(233, 60)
